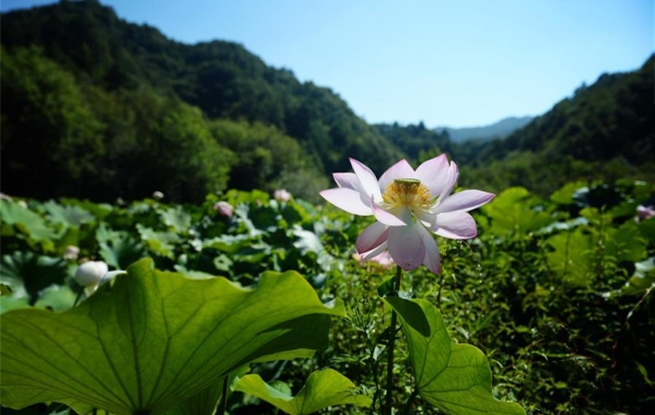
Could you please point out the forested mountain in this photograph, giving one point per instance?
(604, 132)
(500, 129)
(96, 107)
(100, 59)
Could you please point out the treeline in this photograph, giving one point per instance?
(62, 137)
(295, 126)
(95, 107)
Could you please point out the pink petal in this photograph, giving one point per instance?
(433, 174)
(367, 179)
(400, 170)
(432, 258)
(372, 237)
(347, 180)
(455, 225)
(373, 252)
(386, 217)
(464, 201)
(406, 246)
(451, 180)
(348, 200)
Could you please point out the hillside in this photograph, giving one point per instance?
(500, 129)
(605, 131)
(96, 107)
(98, 51)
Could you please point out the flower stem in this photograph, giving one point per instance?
(222, 407)
(77, 299)
(395, 287)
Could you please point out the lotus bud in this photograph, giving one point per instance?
(644, 212)
(71, 252)
(224, 209)
(90, 273)
(281, 195)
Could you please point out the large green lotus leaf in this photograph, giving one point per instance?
(159, 243)
(323, 388)
(27, 273)
(27, 221)
(118, 248)
(626, 243)
(155, 338)
(67, 215)
(202, 403)
(176, 219)
(573, 256)
(516, 210)
(455, 378)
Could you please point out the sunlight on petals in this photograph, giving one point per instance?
(455, 225)
(407, 205)
(348, 200)
(465, 200)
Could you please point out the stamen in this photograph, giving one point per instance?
(407, 192)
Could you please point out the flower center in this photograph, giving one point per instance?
(409, 193)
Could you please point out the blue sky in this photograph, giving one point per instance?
(452, 63)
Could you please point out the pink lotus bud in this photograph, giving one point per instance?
(645, 212)
(224, 209)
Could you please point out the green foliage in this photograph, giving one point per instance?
(154, 338)
(48, 128)
(28, 274)
(556, 342)
(323, 389)
(268, 160)
(455, 378)
(516, 210)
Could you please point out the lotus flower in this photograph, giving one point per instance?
(407, 204)
(92, 274)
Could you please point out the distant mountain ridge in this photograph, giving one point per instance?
(500, 129)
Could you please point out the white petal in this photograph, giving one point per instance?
(426, 217)
(432, 258)
(347, 180)
(372, 237)
(433, 174)
(464, 201)
(348, 200)
(455, 225)
(400, 170)
(451, 180)
(406, 246)
(386, 217)
(367, 179)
